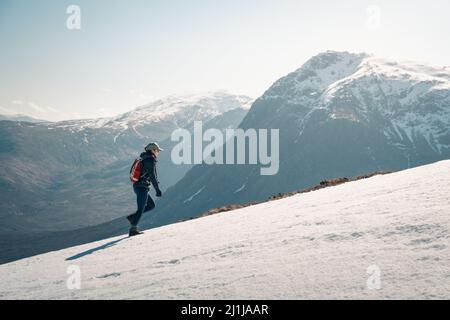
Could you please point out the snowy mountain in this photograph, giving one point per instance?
(385, 237)
(412, 98)
(70, 174)
(340, 114)
(182, 109)
(160, 118)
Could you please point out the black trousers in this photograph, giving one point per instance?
(144, 201)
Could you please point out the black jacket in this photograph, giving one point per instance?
(149, 175)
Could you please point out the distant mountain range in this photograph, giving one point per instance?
(72, 174)
(20, 117)
(340, 115)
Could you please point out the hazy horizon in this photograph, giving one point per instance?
(130, 53)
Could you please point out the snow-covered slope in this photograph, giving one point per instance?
(324, 244)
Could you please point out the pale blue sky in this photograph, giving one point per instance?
(130, 52)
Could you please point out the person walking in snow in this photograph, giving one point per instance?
(143, 174)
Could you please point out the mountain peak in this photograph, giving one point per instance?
(328, 58)
(208, 104)
(317, 74)
(330, 71)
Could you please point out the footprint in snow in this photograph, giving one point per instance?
(110, 275)
(173, 261)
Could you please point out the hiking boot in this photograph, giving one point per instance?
(134, 232)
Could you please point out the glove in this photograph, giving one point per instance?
(158, 193)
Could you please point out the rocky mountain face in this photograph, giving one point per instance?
(341, 114)
(66, 175)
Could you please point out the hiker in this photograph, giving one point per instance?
(143, 174)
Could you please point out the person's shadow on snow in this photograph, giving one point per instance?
(91, 251)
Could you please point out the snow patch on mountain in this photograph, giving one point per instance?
(240, 188)
(194, 195)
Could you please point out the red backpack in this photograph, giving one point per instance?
(136, 171)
